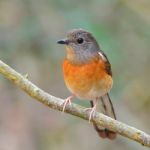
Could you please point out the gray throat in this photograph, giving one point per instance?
(82, 57)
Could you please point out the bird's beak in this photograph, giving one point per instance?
(63, 41)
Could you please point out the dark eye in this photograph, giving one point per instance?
(80, 40)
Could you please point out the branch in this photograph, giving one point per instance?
(76, 110)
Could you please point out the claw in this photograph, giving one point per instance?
(92, 112)
(66, 102)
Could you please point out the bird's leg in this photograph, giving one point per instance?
(66, 102)
(92, 110)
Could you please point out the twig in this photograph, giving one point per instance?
(76, 110)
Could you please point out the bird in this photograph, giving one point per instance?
(88, 75)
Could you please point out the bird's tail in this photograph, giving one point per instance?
(104, 105)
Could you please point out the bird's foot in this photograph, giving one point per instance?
(66, 102)
(92, 112)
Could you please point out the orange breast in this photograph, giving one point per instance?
(80, 79)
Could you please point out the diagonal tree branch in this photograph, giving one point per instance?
(74, 109)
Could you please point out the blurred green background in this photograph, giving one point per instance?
(29, 30)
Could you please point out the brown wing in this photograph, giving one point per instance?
(107, 63)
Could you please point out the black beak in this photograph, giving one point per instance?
(63, 41)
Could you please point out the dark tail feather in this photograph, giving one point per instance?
(105, 106)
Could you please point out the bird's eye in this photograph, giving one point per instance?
(80, 40)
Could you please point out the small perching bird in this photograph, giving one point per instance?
(88, 75)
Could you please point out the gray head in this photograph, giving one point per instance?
(81, 45)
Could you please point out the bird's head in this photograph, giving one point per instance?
(81, 45)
